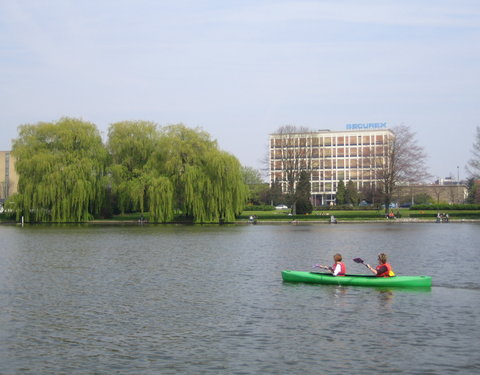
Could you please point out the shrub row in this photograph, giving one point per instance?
(265, 207)
(445, 207)
(324, 216)
(347, 207)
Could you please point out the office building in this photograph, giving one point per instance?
(329, 156)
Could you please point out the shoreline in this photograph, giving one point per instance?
(375, 221)
(267, 222)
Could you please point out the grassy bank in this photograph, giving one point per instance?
(316, 216)
(360, 215)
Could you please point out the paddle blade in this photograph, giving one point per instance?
(358, 260)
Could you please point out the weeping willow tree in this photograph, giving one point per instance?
(61, 168)
(173, 170)
(131, 144)
(63, 175)
(207, 182)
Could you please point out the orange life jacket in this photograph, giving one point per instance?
(388, 273)
(343, 269)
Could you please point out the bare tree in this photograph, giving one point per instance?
(403, 162)
(474, 163)
(437, 190)
(291, 154)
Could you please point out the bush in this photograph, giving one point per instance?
(445, 207)
(7, 216)
(347, 207)
(265, 207)
(304, 206)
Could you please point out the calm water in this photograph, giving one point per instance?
(210, 300)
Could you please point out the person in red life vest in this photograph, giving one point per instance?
(338, 268)
(384, 269)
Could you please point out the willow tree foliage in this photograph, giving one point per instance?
(131, 144)
(65, 172)
(174, 170)
(207, 182)
(61, 168)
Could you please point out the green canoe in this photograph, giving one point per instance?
(357, 280)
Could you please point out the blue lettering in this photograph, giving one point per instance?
(370, 125)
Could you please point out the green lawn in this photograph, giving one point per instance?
(324, 215)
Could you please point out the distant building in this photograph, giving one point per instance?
(447, 181)
(329, 156)
(8, 175)
(448, 193)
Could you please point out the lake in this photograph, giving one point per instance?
(173, 299)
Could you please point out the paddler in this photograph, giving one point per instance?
(384, 269)
(338, 268)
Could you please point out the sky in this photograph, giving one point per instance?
(241, 69)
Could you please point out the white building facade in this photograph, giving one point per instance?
(329, 156)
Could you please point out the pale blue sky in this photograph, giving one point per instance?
(241, 69)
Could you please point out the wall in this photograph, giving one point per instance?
(8, 175)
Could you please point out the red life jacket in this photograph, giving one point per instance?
(387, 273)
(343, 269)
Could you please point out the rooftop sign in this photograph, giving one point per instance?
(370, 125)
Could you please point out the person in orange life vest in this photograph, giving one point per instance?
(384, 269)
(338, 268)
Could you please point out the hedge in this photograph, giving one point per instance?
(445, 207)
(266, 207)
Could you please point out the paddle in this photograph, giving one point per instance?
(320, 266)
(360, 260)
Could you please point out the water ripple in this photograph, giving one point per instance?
(209, 300)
